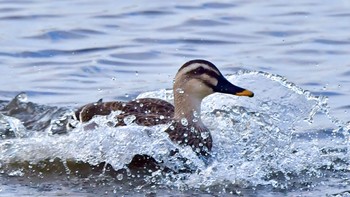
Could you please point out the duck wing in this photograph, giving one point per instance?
(147, 111)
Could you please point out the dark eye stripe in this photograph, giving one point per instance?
(200, 70)
(212, 74)
(207, 83)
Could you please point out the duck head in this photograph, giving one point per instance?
(197, 79)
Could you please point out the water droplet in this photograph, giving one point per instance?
(120, 177)
(114, 78)
(23, 97)
(179, 90)
(205, 135)
(153, 180)
(136, 73)
(192, 129)
(126, 95)
(111, 124)
(172, 128)
(128, 173)
(325, 87)
(184, 122)
(161, 117)
(129, 119)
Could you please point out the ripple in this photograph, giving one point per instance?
(316, 52)
(55, 63)
(89, 31)
(295, 61)
(149, 13)
(234, 18)
(331, 42)
(137, 55)
(46, 93)
(91, 69)
(19, 2)
(327, 93)
(216, 5)
(203, 22)
(52, 53)
(209, 5)
(29, 17)
(281, 33)
(312, 84)
(344, 107)
(146, 13)
(347, 73)
(293, 14)
(185, 40)
(57, 35)
(340, 15)
(114, 26)
(287, 43)
(229, 36)
(304, 51)
(4, 10)
(107, 16)
(117, 63)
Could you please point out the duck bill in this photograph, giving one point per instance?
(224, 86)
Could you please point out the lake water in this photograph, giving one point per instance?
(291, 139)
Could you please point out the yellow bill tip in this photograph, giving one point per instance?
(245, 93)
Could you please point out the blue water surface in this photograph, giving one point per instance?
(69, 53)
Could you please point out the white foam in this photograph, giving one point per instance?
(254, 138)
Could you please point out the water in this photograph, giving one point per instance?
(291, 139)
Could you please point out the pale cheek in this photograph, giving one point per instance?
(211, 80)
(199, 89)
(206, 91)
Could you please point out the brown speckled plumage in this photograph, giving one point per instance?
(148, 111)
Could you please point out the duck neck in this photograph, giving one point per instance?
(188, 128)
(187, 107)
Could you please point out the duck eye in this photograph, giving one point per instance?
(199, 70)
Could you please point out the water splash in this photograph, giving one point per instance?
(271, 138)
(282, 134)
(11, 127)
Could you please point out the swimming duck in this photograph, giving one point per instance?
(195, 80)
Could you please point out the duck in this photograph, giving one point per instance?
(195, 80)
